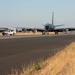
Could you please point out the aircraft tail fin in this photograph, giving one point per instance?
(52, 18)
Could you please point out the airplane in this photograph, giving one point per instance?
(50, 27)
(3, 29)
(53, 28)
(24, 29)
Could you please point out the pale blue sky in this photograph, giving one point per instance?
(35, 13)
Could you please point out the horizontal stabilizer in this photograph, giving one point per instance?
(59, 25)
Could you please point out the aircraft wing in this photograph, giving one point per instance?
(56, 29)
(59, 25)
(40, 29)
(64, 29)
(3, 29)
(23, 29)
(71, 29)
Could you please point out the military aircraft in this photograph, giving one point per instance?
(3, 29)
(53, 28)
(24, 29)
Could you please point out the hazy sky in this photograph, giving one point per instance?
(35, 13)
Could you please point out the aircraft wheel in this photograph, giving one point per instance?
(56, 32)
(43, 33)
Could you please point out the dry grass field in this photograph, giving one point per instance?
(29, 33)
(26, 33)
(62, 63)
(0, 34)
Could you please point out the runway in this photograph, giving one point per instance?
(16, 52)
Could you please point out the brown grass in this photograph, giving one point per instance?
(26, 33)
(62, 63)
(29, 33)
(0, 34)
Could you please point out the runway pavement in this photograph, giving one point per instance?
(16, 52)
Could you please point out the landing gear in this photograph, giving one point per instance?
(43, 33)
(56, 32)
(34, 31)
